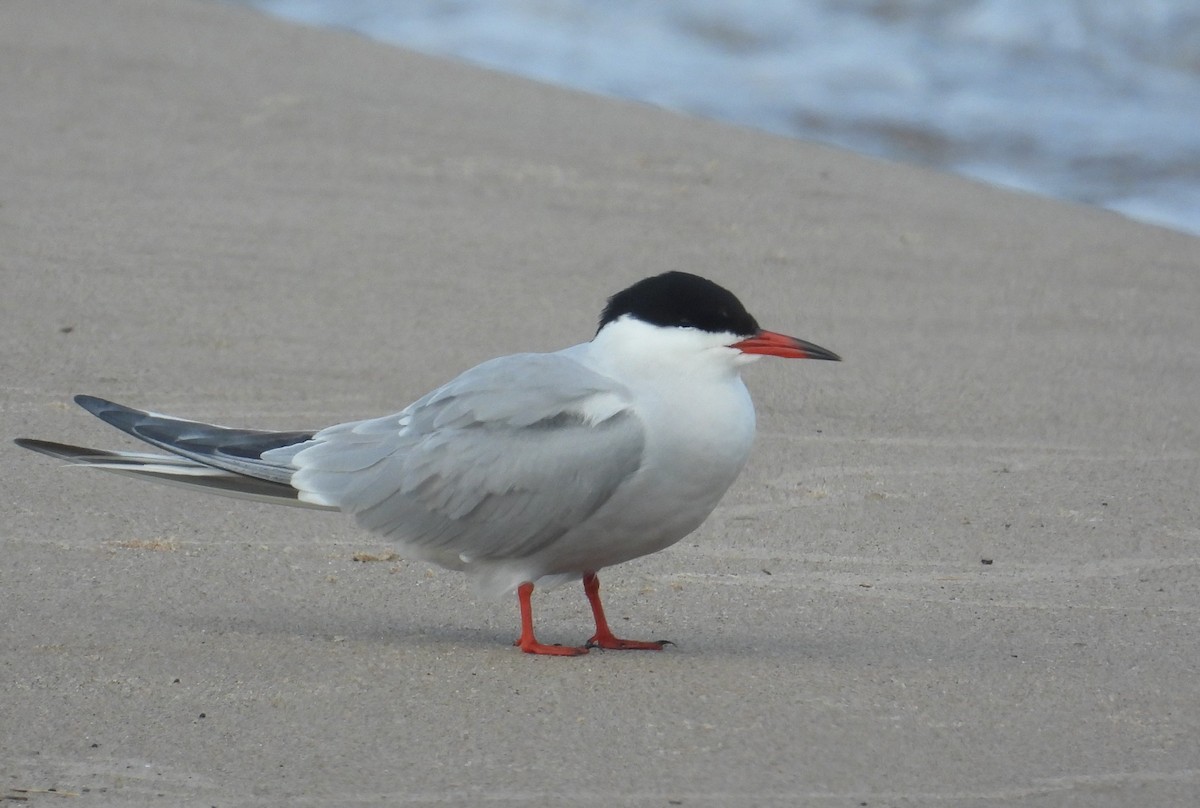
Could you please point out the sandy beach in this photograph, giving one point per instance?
(962, 567)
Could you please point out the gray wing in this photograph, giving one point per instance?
(235, 450)
(497, 464)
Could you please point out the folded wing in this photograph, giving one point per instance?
(498, 463)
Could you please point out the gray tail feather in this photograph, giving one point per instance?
(215, 459)
(170, 470)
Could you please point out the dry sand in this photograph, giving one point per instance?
(211, 213)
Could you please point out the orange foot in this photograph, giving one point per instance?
(532, 646)
(611, 643)
(527, 642)
(603, 638)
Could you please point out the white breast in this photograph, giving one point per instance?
(699, 427)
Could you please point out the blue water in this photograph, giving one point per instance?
(1096, 101)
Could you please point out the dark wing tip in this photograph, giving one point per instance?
(95, 405)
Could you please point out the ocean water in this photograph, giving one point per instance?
(1096, 101)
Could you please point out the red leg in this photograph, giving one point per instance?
(603, 638)
(527, 642)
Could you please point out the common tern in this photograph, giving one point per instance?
(526, 470)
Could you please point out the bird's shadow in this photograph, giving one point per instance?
(370, 627)
(388, 631)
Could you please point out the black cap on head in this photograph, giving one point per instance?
(683, 300)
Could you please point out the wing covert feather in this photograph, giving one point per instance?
(498, 463)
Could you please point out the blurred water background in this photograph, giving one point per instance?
(1096, 101)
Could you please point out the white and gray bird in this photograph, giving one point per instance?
(526, 470)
